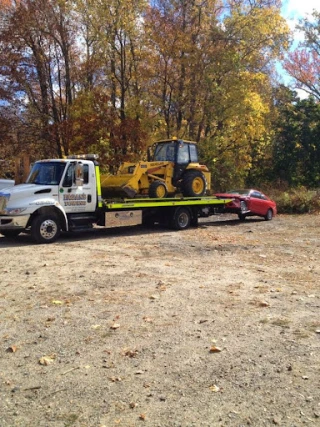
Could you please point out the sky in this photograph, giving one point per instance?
(293, 11)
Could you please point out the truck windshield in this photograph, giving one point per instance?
(46, 173)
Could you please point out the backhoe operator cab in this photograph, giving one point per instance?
(191, 178)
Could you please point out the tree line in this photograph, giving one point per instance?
(113, 77)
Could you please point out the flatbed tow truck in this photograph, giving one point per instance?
(65, 195)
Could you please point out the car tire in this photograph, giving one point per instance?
(269, 215)
(241, 216)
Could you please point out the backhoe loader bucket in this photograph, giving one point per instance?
(119, 186)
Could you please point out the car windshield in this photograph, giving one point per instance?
(46, 173)
(241, 192)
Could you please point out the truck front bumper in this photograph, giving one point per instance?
(14, 222)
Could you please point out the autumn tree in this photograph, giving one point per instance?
(238, 131)
(38, 40)
(113, 35)
(303, 63)
(105, 75)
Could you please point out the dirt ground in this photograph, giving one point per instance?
(214, 326)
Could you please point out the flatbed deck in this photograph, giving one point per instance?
(175, 201)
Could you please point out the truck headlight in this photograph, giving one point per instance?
(14, 211)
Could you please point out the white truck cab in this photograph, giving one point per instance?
(53, 189)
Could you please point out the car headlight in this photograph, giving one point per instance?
(14, 211)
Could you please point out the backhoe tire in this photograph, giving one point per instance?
(194, 184)
(181, 219)
(45, 228)
(158, 190)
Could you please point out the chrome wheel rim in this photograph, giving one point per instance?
(48, 229)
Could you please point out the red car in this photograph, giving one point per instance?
(249, 203)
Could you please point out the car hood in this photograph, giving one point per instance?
(230, 195)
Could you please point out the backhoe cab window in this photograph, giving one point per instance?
(193, 153)
(183, 154)
(46, 173)
(165, 153)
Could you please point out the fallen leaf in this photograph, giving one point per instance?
(263, 304)
(131, 353)
(214, 388)
(47, 360)
(12, 349)
(215, 349)
(115, 326)
(57, 302)
(115, 379)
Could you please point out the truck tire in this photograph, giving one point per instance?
(194, 184)
(158, 190)
(45, 228)
(181, 219)
(10, 234)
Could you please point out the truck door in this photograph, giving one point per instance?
(78, 194)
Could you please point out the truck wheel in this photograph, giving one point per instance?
(158, 190)
(194, 184)
(10, 234)
(45, 228)
(181, 219)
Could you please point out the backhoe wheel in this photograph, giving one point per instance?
(194, 184)
(45, 228)
(158, 190)
(181, 219)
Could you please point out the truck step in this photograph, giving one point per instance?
(81, 221)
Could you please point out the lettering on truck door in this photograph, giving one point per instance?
(78, 198)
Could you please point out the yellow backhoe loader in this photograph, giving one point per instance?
(172, 167)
